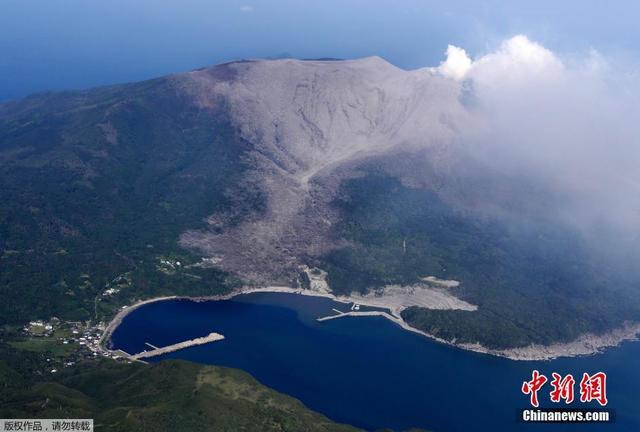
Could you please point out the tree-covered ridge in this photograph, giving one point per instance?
(533, 284)
(102, 182)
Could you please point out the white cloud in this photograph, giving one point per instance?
(569, 124)
(247, 8)
(516, 62)
(516, 58)
(456, 64)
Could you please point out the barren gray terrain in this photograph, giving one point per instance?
(311, 123)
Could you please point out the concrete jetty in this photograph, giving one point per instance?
(211, 337)
(365, 313)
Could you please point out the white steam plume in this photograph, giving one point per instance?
(571, 125)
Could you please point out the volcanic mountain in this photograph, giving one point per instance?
(280, 171)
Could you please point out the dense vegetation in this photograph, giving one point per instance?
(103, 182)
(533, 283)
(168, 396)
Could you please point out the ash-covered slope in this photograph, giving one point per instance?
(306, 116)
(311, 122)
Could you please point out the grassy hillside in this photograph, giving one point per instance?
(168, 396)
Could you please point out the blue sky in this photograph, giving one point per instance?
(66, 44)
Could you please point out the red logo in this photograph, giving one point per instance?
(592, 387)
(562, 388)
(532, 387)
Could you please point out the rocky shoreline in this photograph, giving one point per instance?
(587, 344)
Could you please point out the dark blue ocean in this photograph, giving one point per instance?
(368, 372)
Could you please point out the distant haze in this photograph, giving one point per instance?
(55, 44)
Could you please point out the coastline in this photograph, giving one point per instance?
(122, 313)
(587, 344)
